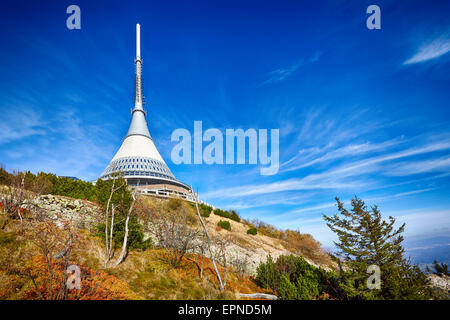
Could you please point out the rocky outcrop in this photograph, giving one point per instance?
(440, 286)
(441, 282)
(82, 214)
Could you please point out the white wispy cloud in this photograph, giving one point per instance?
(20, 122)
(285, 72)
(347, 175)
(423, 220)
(68, 145)
(346, 151)
(429, 51)
(422, 166)
(293, 215)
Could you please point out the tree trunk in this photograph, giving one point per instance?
(106, 223)
(113, 213)
(208, 241)
(19, 204)
(125, 238)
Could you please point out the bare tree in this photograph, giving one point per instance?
(110, 208)
(219, 252)
(175, 233)
(208, 241)
(110, 222)
(13, 197)
(125, 238)
(240, 264)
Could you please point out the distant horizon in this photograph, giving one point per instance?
(359, 112)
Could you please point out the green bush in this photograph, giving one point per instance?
(49, 183)
(135, 234)
(224, 225)
(122, 201)
(204, 209)
(293, 278)
(286, 289)
(228, 214)
(252, 231)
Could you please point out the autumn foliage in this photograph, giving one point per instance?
(95, 285)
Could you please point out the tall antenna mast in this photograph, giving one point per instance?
(138, 41)
(138, 99)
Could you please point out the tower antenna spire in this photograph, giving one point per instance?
(138, 97)
(138, 41)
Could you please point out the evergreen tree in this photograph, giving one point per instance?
(365, 239)
(440, 269)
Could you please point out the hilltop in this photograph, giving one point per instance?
(56, 232)
(145, 273)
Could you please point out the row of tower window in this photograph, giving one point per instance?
(143, 173)
(133, 163)
(137, 160)
(132, 166)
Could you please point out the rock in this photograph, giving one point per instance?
(257, 296)
(442, 282)
(71, 206)
(83, 215)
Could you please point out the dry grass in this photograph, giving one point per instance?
(268, 240)
(145, 274)
(150, 277)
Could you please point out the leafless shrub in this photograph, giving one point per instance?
(208, 241)
(54, 242)
(17, 192)
(175, 232)
(13, 197)
(240, 265)
(219, 249)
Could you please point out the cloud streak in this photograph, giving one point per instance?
(283, 73)
(430, 51)
(20, 123)
(348, 175)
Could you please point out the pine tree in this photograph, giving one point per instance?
(365, 239)
(440, 269)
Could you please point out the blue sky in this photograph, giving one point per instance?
(360, 112)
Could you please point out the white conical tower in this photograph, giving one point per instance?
(138, 159)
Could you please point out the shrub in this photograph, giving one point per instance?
(286, 289)
(440, 269)
(224, 225)
(252, 231)
(235, 216)
(293, 278)
(122, 200)
(204, 209)
(44, 183)
(135, 235)
(230, 215)
(267, 229)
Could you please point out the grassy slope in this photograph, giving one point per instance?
(150, 277)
